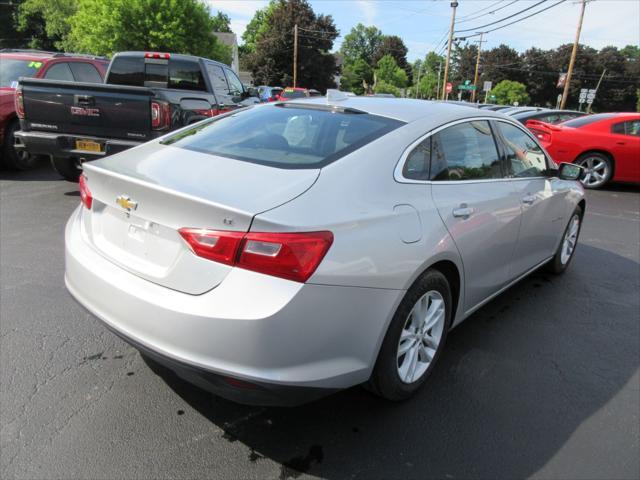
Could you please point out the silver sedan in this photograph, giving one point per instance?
(284, 251)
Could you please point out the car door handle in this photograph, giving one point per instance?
(620, 143)
(463, 211)
(528, 199)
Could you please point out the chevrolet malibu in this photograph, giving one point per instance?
(282, 252)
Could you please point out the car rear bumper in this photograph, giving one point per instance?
(64, 145)
(291, 341)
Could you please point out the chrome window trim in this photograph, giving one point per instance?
(400, 178)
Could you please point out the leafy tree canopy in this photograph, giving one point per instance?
(271, 62)
(508, 92)
(361, 43)
(221, 23)
(394, 46)
(104, 27)
(45, 23)
(389, 72)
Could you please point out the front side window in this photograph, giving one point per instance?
(59, 71)
(235, 85)
(13, 69)
(284, 137)
(466, 151)
(525, 158)
(217, 78)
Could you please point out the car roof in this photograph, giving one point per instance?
(404, 109)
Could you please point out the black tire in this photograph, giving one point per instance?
(68, 168)
(385, 380)
(14, 159)
(593, 159)
(556, 265)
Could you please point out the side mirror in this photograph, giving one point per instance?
(251, 92)
(570, 171)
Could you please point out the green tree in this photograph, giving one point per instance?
(46, 22)
(272, 61)
(103, 27)
(385, 87)
(394, 46)
(389, 73)
(356, 77)
(361, 43)
(256, 27)
(508, 92)
(221, 23)
(425, 76)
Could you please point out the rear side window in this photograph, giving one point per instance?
(416, 167)
(285, 137)
(127, 71)
(631, 127)
(13, 69)
(525, 158)
(186, 75)
(588, 119)
(59, 71)
(85, 72)
(466, 151)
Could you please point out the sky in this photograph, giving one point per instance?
(423, 24)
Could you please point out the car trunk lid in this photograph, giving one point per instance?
(142, 197)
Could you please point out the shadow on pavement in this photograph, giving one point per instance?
(43, 171)
(514, 383)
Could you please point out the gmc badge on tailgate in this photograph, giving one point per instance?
(85, 112)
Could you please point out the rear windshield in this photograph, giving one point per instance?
(293, 94)
(13, 69)
(285, 137)
(587, 120)
(181, 74)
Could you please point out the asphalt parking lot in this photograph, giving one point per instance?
(542, 382)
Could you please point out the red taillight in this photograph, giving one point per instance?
(85, 193)
(160, 115)
(220, 247)
(164, 56)
(19, 103)
(294, 256)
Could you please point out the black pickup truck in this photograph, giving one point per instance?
(145, 95)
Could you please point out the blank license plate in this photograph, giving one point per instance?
(88, 146)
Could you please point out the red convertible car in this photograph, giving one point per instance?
(607, 145)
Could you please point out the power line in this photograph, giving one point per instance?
(502, 19)
(482, 9)
(519, 20)
(489, 13)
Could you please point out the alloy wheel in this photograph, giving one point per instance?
(570, 239)
(597, 171)
(420, 336)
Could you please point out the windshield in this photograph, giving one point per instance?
(587, 120)
(293, 94)
(13, 69)
(285, 136)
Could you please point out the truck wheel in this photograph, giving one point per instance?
(12, 158)
(69, 168)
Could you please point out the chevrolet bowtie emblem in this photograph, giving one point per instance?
(125, 202)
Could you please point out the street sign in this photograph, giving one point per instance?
(591, 95)
(583, 95)
(467, 82)
(487, 86)
(449, 87)
(466, 87)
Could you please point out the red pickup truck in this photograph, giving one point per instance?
(37, 64)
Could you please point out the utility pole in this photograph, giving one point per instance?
(597, 87)
(418, 82)
(475, 77)
(565, 93)
(295, 55)
(454, 5)
(439, 73)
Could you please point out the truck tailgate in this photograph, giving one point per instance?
(102, 110)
